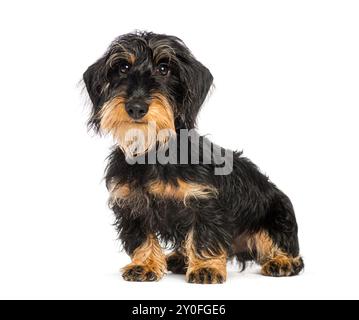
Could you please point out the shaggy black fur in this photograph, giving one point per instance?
(247, 202)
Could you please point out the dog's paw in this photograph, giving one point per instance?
(282, 266)
(140, 273)
(176, 263)
(205, 276)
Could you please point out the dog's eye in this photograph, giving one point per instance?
(163, 69)
(125, 67)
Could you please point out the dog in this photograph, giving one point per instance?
(146, 84)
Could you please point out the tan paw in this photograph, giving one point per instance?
(282, 266)
(140, 273)
(205, 276)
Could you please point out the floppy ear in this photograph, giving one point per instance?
(94, 81)
(198, 80)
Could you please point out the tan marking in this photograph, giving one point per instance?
(269, 255)
(131, 58)
(136, 138)
(120, 56)
(182, 191)
(150, 257)
(217, 263)
(160, 112)
(118, 192)
(263, 245)
(113, 114)
(283, 263)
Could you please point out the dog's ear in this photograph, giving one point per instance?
(93, 79)
(198, 80)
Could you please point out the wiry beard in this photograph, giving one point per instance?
(136, 138)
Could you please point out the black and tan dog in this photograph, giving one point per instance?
(207, 218)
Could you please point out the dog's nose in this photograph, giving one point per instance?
(136, 109)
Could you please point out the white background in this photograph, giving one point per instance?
(287, 79)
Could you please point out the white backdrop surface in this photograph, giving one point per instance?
(286, 76)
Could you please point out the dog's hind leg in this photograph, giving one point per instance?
(276, 245)
(275, 262)
(176, 262)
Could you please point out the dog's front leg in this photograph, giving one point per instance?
(148, 262)
(205, 266)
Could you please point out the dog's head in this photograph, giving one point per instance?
(145, 82)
